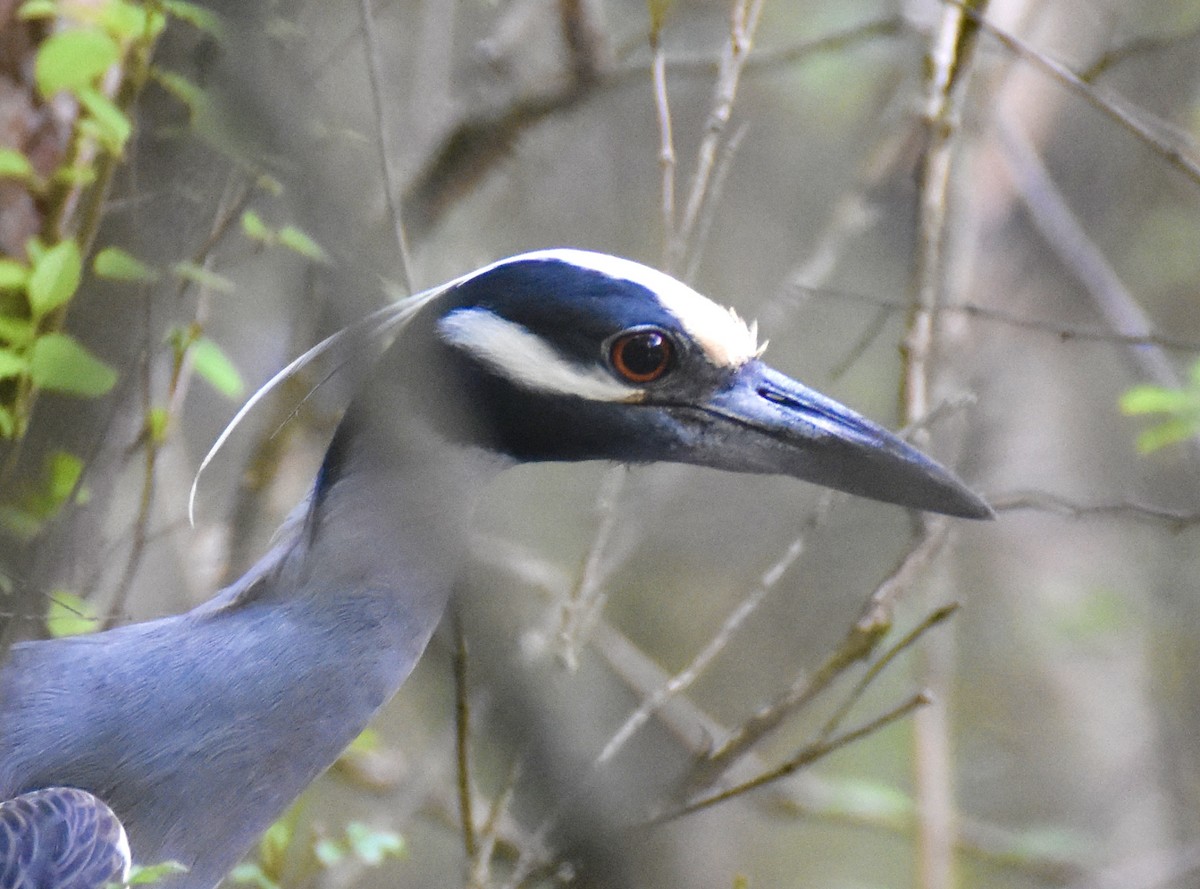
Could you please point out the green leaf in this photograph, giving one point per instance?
(12, 364)
(140, 875)
(215, 367)
(255, 228)
(294, 239)
(197, 274)
(34, 248)
(867, 800)
(44, 498)
(16, 331)
(371, 845)
(117, 265)
(81, 176)
(60, 364)
(269, 184)
(158, 420)
(367, 741)
(8, 423)
(182, 89)
(130, 22)
(38, 9)
(196, 16)
(13, 275)
(1157, 400)
(55, 277)
(63, 470)
(329, 852)
(113, 124)
(20, 523)
(274, 845)
(251, 874)
(1039, 844)
(1164, 434)
(15, 165)
(70, 615)
(73, 60)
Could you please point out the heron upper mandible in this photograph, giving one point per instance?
(196, 731)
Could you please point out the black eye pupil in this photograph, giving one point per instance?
(642, 356)
(645, 353)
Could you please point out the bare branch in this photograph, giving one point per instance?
(462, 738)
(666, 150)
(808, 755)
(682, 680)
(1064, 233)
(743, 24)
(1170, 145)
(386, 154)
(586, 598)
(948, 65)
(1044, 501)
(1065, 332)
(1133, 48)
(872, 625)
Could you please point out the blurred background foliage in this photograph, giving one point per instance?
(233, 181)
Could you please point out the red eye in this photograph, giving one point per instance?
(641, 356)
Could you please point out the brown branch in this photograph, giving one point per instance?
(386, 153)
(476, 145)
(1044, 501)
(864, 636)
(1064, 332)
(586, 598)
(684, 679)
(744, 20)
(1136, 122)
(948, 65)
(805, 757)
(666, 148)
(1131, 49)
(462, 738)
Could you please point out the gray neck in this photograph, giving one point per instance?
(390, 512)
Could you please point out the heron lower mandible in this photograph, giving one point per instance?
(196, 731)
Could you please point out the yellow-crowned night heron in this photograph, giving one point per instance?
(198, 730)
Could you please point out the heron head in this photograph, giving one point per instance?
(572, 355)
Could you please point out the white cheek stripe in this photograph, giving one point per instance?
(525, 358)
(726, 339)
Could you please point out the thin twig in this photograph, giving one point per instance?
(1132, 48)
(489, 832)
(1044, 501)
(743, 24)
(805, 757)
(462, 739)
(587, 597)
(684, 679)
(693, 729)
(872, 625)
(666, 145)
(1065, 234)
(875, 670)
(477, 144)
(709, 213)
(177, 389)
(948, 65)
(1140, 123)
(1065, 332)
(390, 177)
